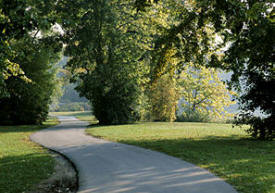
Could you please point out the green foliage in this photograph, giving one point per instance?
(260, 127)
(233, 35)
(205, 96)
(28, 102)
(18, 19)
(250, 56)
(27, 49)
(163, 99)
(115, 48)
(183, 42)
(104, 59)
(160, 96)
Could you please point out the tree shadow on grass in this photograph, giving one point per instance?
(95, 123)
(22, 128)
(20, 173)
(245, 163)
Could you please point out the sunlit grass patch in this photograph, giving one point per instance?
(228, 152)
(23, 164)
(81, 115)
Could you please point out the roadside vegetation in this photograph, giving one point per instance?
(141, 60)
(227, 152)
(23, 164)
(81, 115)
(134, 60)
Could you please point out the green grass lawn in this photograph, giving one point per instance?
(81, 115)
(228, 152)
(23, 164)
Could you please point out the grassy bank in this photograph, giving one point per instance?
(228, 152)
(23, 164)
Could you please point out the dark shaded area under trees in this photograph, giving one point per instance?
(29, 50)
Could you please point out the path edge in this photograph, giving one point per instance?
(59, 153)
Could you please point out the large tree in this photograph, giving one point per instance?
(26, 53)
(18, 19)
(205, 96)
(102, 46)
(28, 102)
(250, 30)
(246, 30)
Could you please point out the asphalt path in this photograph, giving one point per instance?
(108, 167)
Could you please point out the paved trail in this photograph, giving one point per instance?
(107, 167)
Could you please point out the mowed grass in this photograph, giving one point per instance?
(81, 115)
(23, 163)
(247, 164)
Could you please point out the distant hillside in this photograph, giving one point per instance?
(70, 100)
(69, 92)
(71, 95)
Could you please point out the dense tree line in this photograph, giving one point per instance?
(29, 48)
(104, 59)
(246, 29)
(28, 101)
(121, 51)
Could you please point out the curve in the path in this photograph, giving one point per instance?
(108, 167)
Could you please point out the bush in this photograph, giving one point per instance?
(260, 128)
(27, 102)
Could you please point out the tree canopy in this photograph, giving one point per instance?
(205, 96)
(28, 51)
(119, 49)
(104, 57)
(246, 48)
